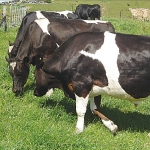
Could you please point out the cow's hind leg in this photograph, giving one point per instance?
(95, 108)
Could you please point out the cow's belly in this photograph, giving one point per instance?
(117, 92)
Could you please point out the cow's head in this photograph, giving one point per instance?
(19, 70)
(45, 82)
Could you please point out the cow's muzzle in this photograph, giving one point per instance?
(17, 91)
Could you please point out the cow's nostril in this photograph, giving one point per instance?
(17, 92)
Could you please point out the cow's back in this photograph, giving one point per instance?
(68, 28)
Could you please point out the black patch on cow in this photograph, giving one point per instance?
(84, 75)
(134, 64)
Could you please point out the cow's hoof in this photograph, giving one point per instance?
(114, 130)
(78, 131)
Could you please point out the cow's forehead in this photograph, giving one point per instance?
(10, 48)
(13, 65)
(95, 21)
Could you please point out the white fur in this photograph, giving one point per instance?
(57, 45)
(92, 104)
(13, 65)
(65, 12)
(107, 55)
(39, 15)
(81, 105)
(95, 21)
(43, 23)
(10, 48)
(49, 93)
(110, 125)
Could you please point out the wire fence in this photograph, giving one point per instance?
(11, 16)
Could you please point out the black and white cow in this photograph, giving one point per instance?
(91, 64)
(29, 18)
(41, 39)
(84, 11)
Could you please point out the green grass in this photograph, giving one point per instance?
(40, 123)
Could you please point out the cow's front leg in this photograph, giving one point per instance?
(95, 108)
(81, 105)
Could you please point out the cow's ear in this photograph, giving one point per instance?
(26, 60)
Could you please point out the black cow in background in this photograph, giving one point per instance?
(84, 11)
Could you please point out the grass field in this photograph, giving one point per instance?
(40, 123)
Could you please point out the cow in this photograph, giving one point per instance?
(29, 18)
(45, 81)
(100, 63)
(85, 11)
(41, 39)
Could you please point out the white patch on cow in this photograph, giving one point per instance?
(95, 21)
(107, 55)
(49, 93)
(10, 48)
(43, 23)
(92, 104)
(81, 105)
(65, 12)
(39, 15)
(110, 125)
(57, 44)
(13, 65)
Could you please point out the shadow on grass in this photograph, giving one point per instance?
(29, 87)
(68, 104)
(133, 121)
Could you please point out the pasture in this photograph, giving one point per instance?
(40, 123)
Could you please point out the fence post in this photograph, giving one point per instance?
(4, 16)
